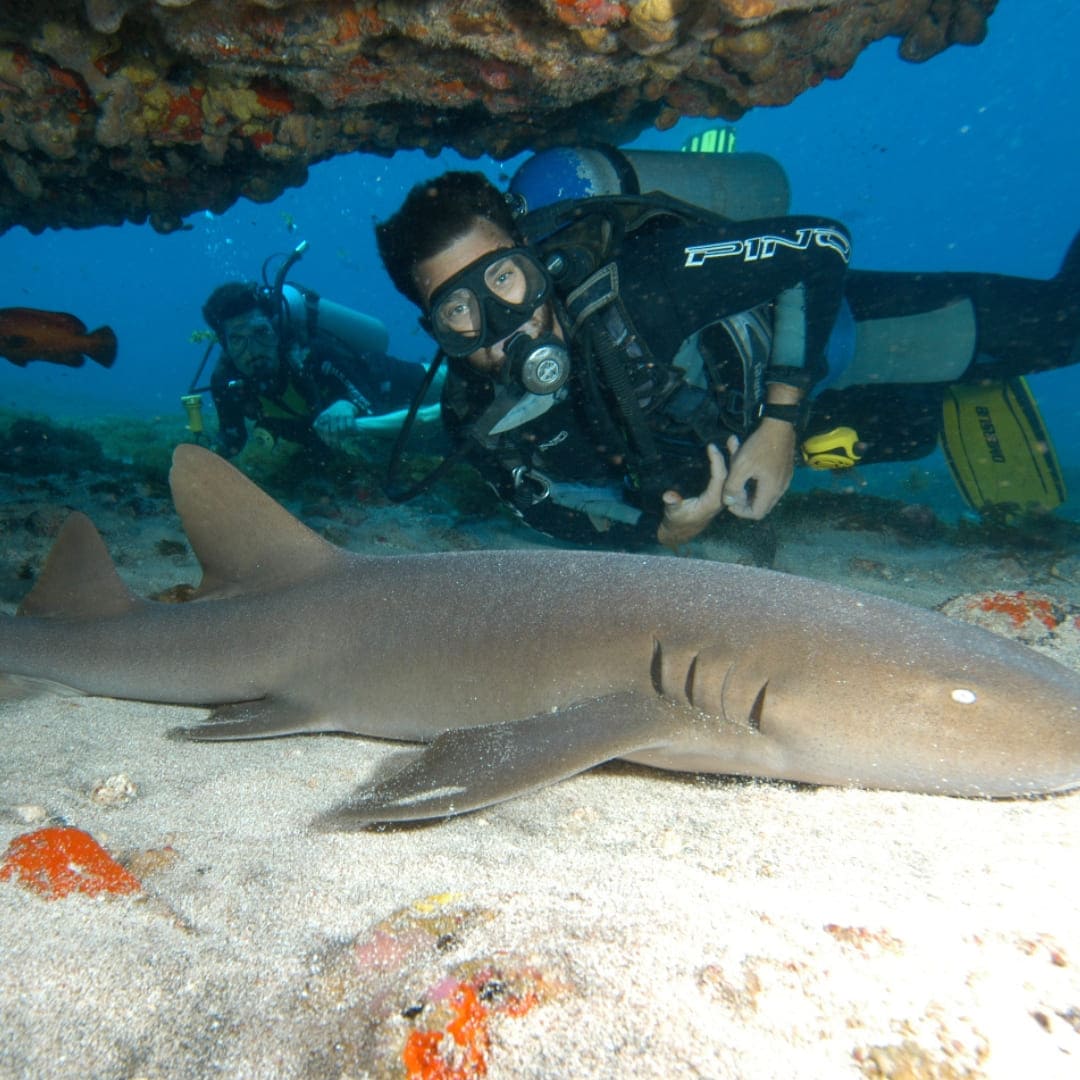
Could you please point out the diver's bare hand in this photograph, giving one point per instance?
(685, 518)
(767, 459)
(336, 424)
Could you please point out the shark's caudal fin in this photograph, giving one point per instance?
(469, 768)
(244, 540)
(79, 578)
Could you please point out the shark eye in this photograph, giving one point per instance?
(963, 696)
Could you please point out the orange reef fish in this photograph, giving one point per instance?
(29, 334)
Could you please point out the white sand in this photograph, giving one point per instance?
(624, 923)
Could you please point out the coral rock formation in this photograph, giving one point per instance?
(136, 110)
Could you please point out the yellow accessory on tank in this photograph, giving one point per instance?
(833, 449)
(193, 407)
(718, 140)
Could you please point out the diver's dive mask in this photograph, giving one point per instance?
(251, 342)
(487, 301)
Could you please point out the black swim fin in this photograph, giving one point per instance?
(1069, 271)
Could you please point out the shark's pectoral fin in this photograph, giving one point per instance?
(22, 687)
(264, 718)
(467, 768)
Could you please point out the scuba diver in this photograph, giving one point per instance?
(302, 368)
(623, 367)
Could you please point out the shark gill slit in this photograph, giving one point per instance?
(688, 683)
(724, 691)
(758, 707)
(656, 668)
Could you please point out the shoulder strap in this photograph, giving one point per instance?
(578, 236)
(290, 315)
(311, 313)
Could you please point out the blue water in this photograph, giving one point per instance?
(967, 162)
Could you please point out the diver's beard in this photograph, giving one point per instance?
(262, 367)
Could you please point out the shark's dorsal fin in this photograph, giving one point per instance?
(244, 540)
(79, 578)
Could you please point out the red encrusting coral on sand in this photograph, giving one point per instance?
(456, 1052)
(459, 1049)
(1020, 607)
(60, 860)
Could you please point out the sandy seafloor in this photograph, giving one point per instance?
(623, 923)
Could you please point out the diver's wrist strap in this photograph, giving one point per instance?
(798, 377)
(790, 414)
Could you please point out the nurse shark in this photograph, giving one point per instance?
(518, 669)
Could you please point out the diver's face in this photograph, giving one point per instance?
(481, 239)
(251, 343)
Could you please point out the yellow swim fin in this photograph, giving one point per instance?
(999, 450)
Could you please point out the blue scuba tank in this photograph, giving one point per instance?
(740, 186)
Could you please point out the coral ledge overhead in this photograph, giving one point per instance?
(130, 110)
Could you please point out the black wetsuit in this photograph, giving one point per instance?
(674, 280)
(573, 473)
(288, 403)
(1021, 326)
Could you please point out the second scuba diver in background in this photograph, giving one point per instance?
(304, 373)
(571, 389)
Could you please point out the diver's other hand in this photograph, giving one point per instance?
(336, 424)
(685, 518)
(767, 461)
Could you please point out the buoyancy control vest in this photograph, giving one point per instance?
(646, 406)
(577, 205)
